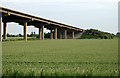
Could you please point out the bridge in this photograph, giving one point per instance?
(25, 20)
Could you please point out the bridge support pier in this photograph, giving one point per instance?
(73, 35)
(25, 31)
(65, 32)
(43, 32)
(60, 34)
(55, 34)
(5, 30)
(40, 33)
(0, 28)
(51, 34)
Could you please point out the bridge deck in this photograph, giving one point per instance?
(24, 19)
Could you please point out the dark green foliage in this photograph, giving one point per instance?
(118, 34)
(10, 35)
(20, 35)
(96, 34)
(47, 35)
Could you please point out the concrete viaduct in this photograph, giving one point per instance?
(65, 31)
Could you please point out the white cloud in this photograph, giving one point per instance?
(84, 11)
(59, 0)
(35, 0)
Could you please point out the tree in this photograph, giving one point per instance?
(118, 34)
(20, 35)
(96, 34)
(31, 34)
(34, 33)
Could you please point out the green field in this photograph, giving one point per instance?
(19, 38)
(79, 57)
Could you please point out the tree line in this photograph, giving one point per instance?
(88, 34)
(33, 34)
(96, 34)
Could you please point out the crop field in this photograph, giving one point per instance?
(19, 38)
(78, 57)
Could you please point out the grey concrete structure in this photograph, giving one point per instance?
(40, 33)
(55, 33)
(0, 28)
(26, 20)
(73, 35)
(43, 32)
(65, 33)
(60, 34)
(25, 31)
(51, 34)
(5, 30)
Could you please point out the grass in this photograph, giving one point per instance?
(89, 57)
(19, 38)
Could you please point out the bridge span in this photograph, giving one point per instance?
(65, 31)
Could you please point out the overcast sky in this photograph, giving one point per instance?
(86, 14)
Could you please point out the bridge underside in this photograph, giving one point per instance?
(64, 31)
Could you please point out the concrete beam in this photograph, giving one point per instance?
(51, 34)
(55, 33)
(25, 31)
(40, 33)
(5, 30)
(43, 32)
(13, 13)
(65, 32)
(0, 28)
(24, 16)
(73, 35)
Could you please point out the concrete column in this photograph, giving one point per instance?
(51, 34)
(60, 34)
(25, 31)
(73, 35)
(5, 30)
(55, 33)
(40, 33)
(0, 28)
(43, 32)
(65, 34)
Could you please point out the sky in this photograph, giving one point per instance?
(85, 14)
